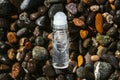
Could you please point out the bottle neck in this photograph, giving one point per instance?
(60, 26)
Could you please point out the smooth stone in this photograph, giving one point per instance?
(43, 22)
(39, 41)
(21, 32)
(111, 59)
(80, 72)
(39, 53)
(102, 70)
(48, 70)
(31, 66)
(95, 58)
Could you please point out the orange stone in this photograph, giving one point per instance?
(86, 1)
(99, 23)
(16, 68)
(50, 36)
(111, 1)
(78, 22)
(14, 17)
(112, 6)
(80, 60)
(11, 36)
(83, 34)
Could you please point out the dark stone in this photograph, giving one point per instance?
(102, 2)
(55, 8)
(32, 66)
(113, 46)
(81, 8)
(111, 59)
(39, 41)
(61, 77)
(91, 18)
(81, 72)
(5, 8)
(106, 26)
(112, 32)
(49, 71)
(56, 1)
(43, 22)
(104, 70)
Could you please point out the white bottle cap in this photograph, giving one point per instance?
(60, 19)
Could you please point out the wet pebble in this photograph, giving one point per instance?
(39, 53)
(102, 70)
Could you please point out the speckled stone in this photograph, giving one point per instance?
(102, 70)
(39, 53)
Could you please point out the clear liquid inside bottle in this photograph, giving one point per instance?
(60, 48)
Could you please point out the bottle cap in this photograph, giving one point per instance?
(60, 19)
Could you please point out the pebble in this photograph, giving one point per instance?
(16, 68)
(99, 22)
(11, 53)
(94, 8)
(78, 22)
(111, 59)
(12, 37)
(95, 58)
(49, 71)
(24, 4)
(72, 8)
(39, 53)
(102, 70)
(34, 16)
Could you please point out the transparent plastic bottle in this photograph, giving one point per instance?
(60, 41)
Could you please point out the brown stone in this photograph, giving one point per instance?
(78, 22)
(12, 38)
(16, 68)
(99, 23)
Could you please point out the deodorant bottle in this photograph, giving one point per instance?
(60, 41)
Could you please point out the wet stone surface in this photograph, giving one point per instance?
(26, 39)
